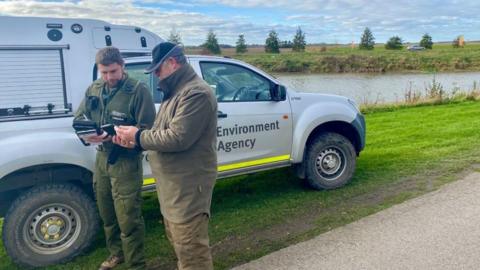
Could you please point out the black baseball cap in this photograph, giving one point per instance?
(161, 52)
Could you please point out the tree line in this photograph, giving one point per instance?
(272, 43)
(298, 44)
(367, 42)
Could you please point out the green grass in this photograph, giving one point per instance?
(410, 151)
(442, 57)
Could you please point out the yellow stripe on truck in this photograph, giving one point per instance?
(239, 165)
(148, 181)
(252, 163)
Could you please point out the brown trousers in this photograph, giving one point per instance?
(190, 242)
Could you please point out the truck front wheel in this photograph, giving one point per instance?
(330, 161)
(49, 224)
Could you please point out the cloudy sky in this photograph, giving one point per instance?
(329, 21)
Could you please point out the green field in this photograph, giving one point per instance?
(337, 59)
(409, 151)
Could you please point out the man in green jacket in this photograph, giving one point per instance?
(117, 180)
(182, 154)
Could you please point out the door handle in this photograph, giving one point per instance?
(221, 114)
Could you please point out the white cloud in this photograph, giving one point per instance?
(192, 26)
(321, 20)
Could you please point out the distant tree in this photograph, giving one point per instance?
(272, 43)
(394, 43)
(299, 42)
(287, 44)
(426, 41)
(459, 42)
(211, 44)
(241, 45)
(367, 42)
(175, 37)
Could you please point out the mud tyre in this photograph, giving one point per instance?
(49, 225)
(330, 161)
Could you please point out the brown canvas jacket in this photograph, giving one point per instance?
(182, 147)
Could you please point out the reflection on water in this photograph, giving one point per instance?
(370, 88)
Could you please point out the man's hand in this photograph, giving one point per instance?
(125, 136)
(98, 138)
(122, 143)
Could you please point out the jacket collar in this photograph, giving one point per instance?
(176, 81)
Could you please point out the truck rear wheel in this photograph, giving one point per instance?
(330, 161)
(49, 224)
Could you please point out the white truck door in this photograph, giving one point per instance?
(253, 130)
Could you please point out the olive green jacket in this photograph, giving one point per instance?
(131, 104)
(182, 147)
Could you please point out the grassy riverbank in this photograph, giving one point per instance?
(336, 59)
(410, 151)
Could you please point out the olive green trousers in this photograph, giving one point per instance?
(118, 193)
(190, 242)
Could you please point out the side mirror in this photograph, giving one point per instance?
(279, 93)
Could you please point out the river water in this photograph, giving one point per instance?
(378, 88)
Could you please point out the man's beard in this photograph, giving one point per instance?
(114, 85)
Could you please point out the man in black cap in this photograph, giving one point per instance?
(182, 154)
